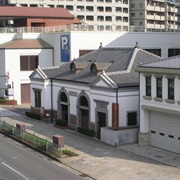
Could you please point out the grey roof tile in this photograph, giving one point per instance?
(168, 63)
(119, 59)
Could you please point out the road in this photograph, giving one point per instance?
(17, 162)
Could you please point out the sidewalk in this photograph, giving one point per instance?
(104, 162)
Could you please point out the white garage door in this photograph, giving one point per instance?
(165, 131)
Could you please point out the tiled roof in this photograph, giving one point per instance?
(26, 44)
(50, 71)
(132, 78)
(118, 71)
(10, 11)
(168, 63)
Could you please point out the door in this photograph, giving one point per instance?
(101, 122)
(64, 112)
(165, 131)
(85, 118)
(25, 94)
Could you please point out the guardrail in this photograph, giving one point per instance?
(31, 139)
(80, 27)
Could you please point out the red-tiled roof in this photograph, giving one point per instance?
(9, 11)
(26, 44)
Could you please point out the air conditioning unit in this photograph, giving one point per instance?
(10, 22)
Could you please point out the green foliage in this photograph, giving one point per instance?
(32, 115)
(3, 99)
(61, 122)
(88, 132)
(68, 152)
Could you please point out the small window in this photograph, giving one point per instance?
(140, 5)
(148, 86)
(37, 94)
(153, 132)
(140, 14)
(140, 23)
(162, 134)
(159, 87)
(132, 14)
(132, 5)
(28, 63)
(171, 136)
(171, 89)
(132, 119)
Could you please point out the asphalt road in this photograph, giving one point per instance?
(17, 162)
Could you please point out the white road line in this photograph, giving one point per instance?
(15, 170)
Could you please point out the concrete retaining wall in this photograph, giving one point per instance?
(117, 137)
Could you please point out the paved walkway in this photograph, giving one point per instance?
(104, 162)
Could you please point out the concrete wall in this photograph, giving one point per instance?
(118, 137)
(12, 65)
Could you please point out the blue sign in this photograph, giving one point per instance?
(65, 48)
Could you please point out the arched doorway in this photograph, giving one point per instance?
(84, 112)
(63, 106)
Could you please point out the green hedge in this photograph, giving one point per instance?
(61, 122)
(88, 132)
(32, 115)
(3, 99)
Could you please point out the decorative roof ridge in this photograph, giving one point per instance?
(131, 62)
(108, 80)
(118, 72)
(51, 67)
(40, 71)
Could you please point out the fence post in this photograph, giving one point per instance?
(60, 151)
(3, 124)
(46, 144)
(34, 139)
(23, 134)
(12, 129)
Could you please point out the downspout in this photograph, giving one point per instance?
(51, 102)
(117, 95)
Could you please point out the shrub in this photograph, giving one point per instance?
(88, 132)
(68, 152)
(3, 99)
(32, 115)
(61, 122)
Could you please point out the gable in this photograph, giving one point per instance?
(36, 75)
(101, 83)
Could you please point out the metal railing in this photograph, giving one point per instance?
(31, 139)
(81, 27)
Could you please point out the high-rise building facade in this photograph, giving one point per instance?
(102, 15)
(153, 15)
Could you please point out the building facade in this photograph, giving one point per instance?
(100, 15)
(159, 104)
(153, 15)
(97, 91)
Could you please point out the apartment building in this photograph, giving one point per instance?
(101, 15)
(153, 15)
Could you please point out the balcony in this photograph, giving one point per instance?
(172, 18)
(155, 8)
(172, 9)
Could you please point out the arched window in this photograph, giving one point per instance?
(83, 101)
(63, 97)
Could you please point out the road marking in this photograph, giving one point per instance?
(14, 157)
(15, 170)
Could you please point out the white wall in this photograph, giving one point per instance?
(12, 66)
(156, 105)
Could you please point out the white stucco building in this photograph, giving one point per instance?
(98, 91)
(65, 46)
(160, 104)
